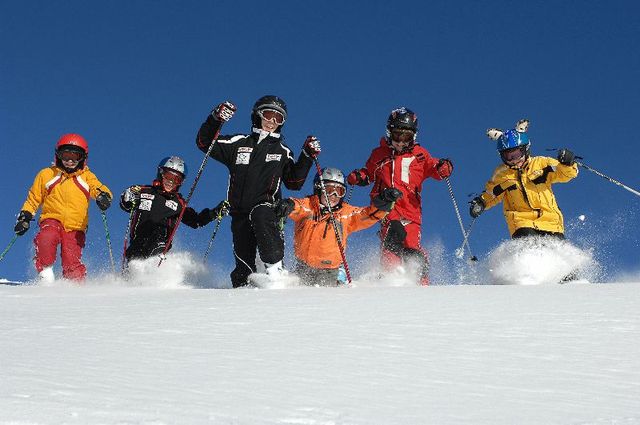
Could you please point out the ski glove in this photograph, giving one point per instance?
(220, 210)
(22, 223)
(358, 177)
(284, 207)
(444, 167)
(311, 147)
(103, 200)
(566, 157)
(131, 194)
(224, 111)
(476, 207)
(387, 198)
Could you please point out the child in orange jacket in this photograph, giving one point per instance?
(319, 261)
(63, 190)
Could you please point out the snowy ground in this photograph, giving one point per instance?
(154, 351)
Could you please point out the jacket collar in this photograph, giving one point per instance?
(263, 134)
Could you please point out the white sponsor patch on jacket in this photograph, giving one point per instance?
(171, 204)
(245, 149)
(273, 157)
(243, 158)
(147, 196)
(145, 204)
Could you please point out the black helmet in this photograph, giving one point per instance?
(404, 119)
(268, 102)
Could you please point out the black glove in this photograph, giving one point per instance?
(284, 207)
(103, 200)
(224, 111)
(444, 167)
(220, 210)
(566, 157)
(385, 199)
(358, 177)
(311, 147)
(22, 223)
(476, 207)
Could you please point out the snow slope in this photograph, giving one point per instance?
(106, 353)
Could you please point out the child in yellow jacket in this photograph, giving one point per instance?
(523, 185)
(319, 261)
(63, 190)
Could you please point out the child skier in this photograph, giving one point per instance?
(258, 164)
(400, 162)
(155, 210)
(319, 261)
(63, 190)
(524, 184)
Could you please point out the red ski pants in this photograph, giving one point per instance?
(51, 235)
(401, 242)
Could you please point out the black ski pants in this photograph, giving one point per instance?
(259, 230)
(524, 232)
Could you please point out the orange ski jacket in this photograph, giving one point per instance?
(314, 237)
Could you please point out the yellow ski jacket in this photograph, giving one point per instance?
(63, 196)
(526, 194)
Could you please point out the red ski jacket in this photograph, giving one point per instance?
(405, 171)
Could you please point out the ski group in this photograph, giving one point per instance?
(259, 164)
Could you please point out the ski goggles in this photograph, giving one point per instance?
(402, 136)
(513, 156)
(271, 115)
(69, 156)
(172, 177)
(335, 189)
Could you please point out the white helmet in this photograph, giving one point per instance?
(174, 163)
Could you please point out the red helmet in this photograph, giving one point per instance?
(73, 140)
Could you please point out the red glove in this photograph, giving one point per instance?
(444, 167)
(224, 111)
(311, 147)
(358, 177)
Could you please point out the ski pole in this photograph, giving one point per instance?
(465, 235)
(193, 188)
(460, 251)
(106, 230)
(349, 194)
(13, 240)
(332, 218)
(126, 237)
(215, 232)
(604, 176)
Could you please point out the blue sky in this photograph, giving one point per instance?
(137, 78)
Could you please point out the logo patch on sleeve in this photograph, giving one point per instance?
(273, 157)
(171, 204)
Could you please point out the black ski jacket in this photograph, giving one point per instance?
(257, 168)
(155, 217)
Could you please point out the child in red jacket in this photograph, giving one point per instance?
(402, 163)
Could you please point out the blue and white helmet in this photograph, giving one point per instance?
(174, 163)
(512, 139)
(508, 141)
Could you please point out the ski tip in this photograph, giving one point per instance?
(11, 283)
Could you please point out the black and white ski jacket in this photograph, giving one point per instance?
(154, 217)
(259, 163)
